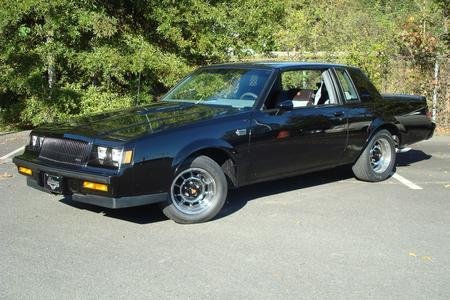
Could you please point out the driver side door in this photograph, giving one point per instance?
(310, 136)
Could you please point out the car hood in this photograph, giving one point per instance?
(127, 124)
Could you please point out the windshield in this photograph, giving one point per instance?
(232, 87)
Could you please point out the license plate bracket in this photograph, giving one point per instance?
(53, 183)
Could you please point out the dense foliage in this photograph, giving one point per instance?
(65, 58)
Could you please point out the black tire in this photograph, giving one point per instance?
(208, 181)
(381, 150)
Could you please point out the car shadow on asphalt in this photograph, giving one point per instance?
(145, 214)
(238, 198)
(411, 157)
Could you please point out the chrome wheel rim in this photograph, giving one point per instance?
(380, 155)
(193, 191)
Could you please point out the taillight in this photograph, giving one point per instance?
(429, 114)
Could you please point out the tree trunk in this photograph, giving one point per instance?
(51, 73)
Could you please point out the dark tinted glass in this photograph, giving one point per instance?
(235, 87)
(347, 87)
(363, 85)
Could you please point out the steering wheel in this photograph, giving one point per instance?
(249, 94)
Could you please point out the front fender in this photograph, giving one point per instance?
(200, 145)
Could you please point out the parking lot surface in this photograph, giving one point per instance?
(321, 235)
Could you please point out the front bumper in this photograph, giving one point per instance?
(72, 187)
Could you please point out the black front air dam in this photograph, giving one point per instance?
(108, 202)
(122, 202)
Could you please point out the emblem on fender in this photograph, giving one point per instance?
(241, 132)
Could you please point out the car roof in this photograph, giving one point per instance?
(276, 65)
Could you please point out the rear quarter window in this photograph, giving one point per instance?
(364, 85)
(345, 81)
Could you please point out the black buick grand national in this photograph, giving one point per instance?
(222, 127)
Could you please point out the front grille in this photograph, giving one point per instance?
(65, 151)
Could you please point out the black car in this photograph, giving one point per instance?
(222, 127)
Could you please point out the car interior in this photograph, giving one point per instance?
(305, 88)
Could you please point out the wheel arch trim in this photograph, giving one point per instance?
(208, 147)
(203, 145)
(393, 126)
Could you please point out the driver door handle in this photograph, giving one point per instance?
(339, 114)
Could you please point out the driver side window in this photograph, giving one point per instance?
(304, 88)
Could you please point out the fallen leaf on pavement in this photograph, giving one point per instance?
(5, 175)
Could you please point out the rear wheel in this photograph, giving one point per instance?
(377, 161)
(197, 192)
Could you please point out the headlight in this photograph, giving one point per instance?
(102, 153)
(36, 141)
(110, 157)
(116, 155)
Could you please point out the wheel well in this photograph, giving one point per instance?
(394, 132)
(223, 159)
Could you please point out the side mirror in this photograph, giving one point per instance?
(285, 105)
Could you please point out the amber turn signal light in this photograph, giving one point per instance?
(95, 186)
(127, 156)
(25, 171)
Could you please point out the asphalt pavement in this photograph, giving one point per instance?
(321, 235)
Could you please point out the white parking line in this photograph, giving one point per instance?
(406, 182)
(10, 154)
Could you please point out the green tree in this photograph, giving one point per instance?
(63, 58)
(66, 58)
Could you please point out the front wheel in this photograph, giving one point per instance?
(377, 161)
(197, 192)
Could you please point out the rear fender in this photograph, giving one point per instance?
(393, 126)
